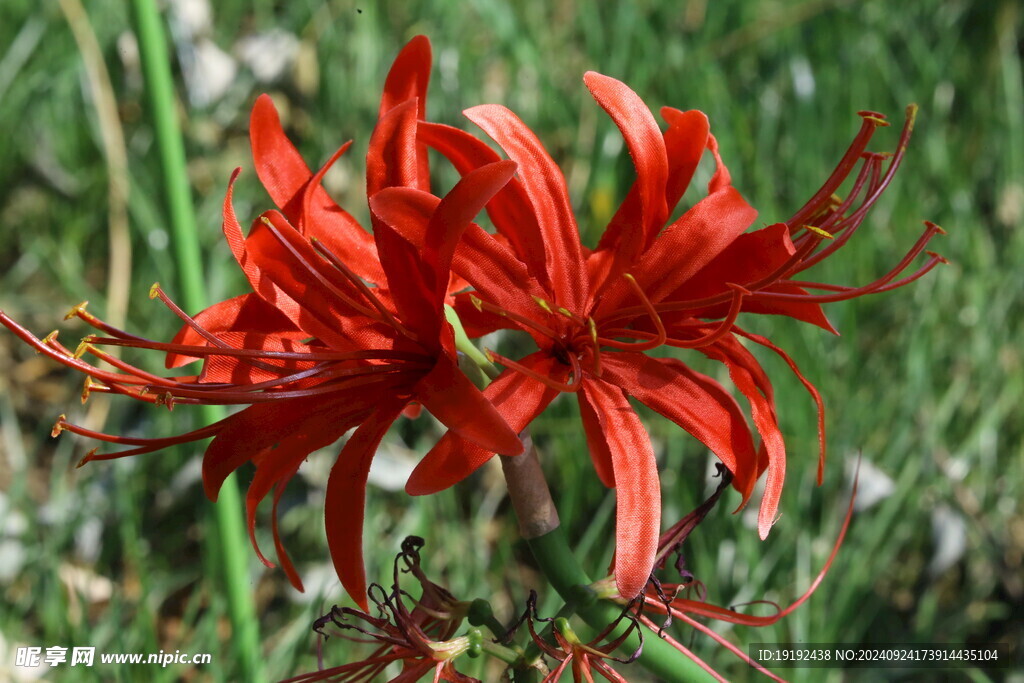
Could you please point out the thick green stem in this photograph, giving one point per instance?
(229, 545)
(539, 525)
(560, 567)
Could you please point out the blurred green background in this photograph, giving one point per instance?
(925, 383)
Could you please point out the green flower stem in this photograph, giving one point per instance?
(229, 544)
(560, 567)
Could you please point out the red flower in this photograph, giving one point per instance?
(593, 314)
(314, 350)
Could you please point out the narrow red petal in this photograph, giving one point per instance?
(278, 164)
(509, 210)
(248, 313)
(422, 282)
(391, 156)
(255, 431)
(695, 402)
(516, 397)
(686, 246)
(752, 382)
(482, 260)
(344, 508)
(549, 196)
(450, 397)
(644, 211)
(597, 445)
(685, 139)
(408, 79)
(637, 488)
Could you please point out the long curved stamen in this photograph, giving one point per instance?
(933, 261)
(132, 393)
(63, 425)
(571, 387)
(871, 122)
(367, 375)
(316, 273)
(51, 348)
(871, 288)
(724, 642)
(723, 327)
(80, 312)
(374, 300)
(156, 292)
(835, 222)
(186, 349)
(659, 325)
(127, 367)
(595, 344)
(878, 186)
(521, 320)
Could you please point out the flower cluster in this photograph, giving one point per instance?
(345, 329)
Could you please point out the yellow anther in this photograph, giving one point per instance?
(936, 228)
(911, 116)
(543, 304)
(75, 310)
(593, 330)
(477, 304)
(58, 426)
(165, 399)
(566, 312)
(87, 388)
(50, 338)
(154, 291)
(83, 347)
(822, 233)
(877, 121)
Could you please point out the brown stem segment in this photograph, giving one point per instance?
(529, 491)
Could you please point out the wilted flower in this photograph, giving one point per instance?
(420, 639)
(582, 658)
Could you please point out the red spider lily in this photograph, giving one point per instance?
(593, 314)
(420, 639)
(314, 350)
